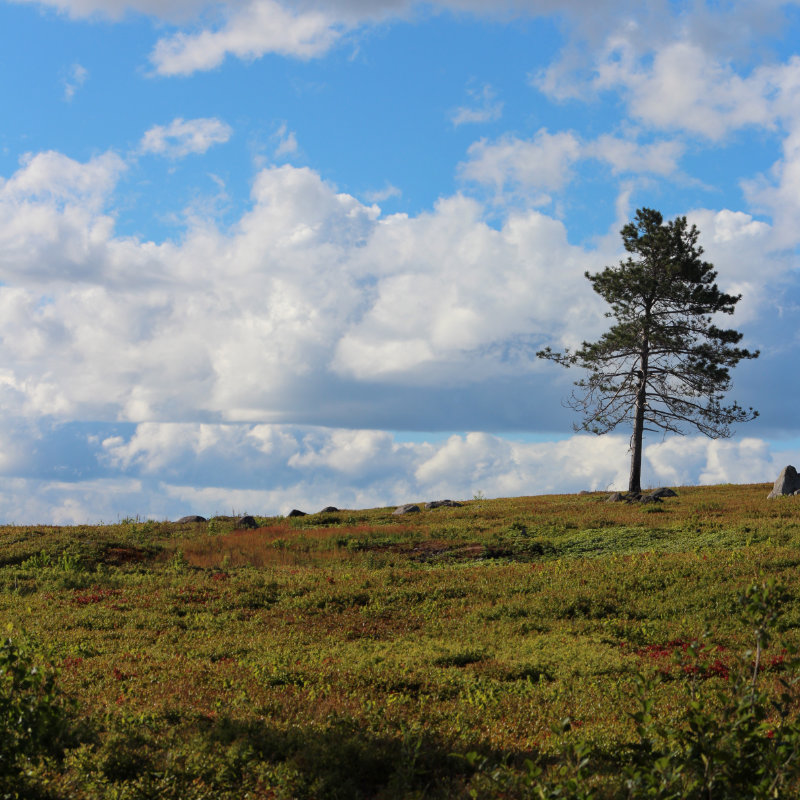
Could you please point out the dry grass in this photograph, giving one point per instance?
(280, 545)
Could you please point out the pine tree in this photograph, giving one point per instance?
(664, 364)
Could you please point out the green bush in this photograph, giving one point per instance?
(34, 715)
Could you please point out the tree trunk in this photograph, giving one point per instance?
(635, 482)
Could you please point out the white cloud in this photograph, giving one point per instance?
(543, 163)
(53, 177)
(624, 155)
(166, 471)
(483, 108)
(687, 89)
(286, 141)
(184, 137)
(300, 292)
(380, 195)
(76, 77)
(312, 307)
(260, 27)
(743, 250)
(778, 194)
(682, 84)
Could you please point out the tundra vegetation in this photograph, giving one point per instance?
(554, 646)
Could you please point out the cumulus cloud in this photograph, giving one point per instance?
(686, 88)
(168, 470)
(627, 156)
(681, 83)
(261, 26)
(53, 177)
(184, 137)
(778, 193)
(544, 164)
(313, 307)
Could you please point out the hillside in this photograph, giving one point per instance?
(361, 654)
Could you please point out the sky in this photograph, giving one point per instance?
(258, 255)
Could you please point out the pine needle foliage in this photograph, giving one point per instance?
(664, 364)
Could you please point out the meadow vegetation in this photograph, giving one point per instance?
(554, 646)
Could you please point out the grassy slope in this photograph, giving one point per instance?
(353, 654)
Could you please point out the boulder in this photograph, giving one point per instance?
(441, 504)
(663, 492)
(192, 518)
(246, 522)
(408, 508)
(788, 482)
(296, 513)
(650, 498)
(329, 510)
(616, 497)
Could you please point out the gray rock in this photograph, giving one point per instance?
(246, 522)
(441, 504)
(192, 518)
(408, 508)
(296, 513)
(616, 497)
(650, 498)
(329, 510)
(788, 482)
(663, 492)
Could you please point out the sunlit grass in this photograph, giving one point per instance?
(362, 638)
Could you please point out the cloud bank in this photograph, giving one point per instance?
(164, 471)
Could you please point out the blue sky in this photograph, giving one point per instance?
(264, 254)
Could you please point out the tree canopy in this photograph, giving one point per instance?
(664, 364)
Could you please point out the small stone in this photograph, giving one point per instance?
(408, 508)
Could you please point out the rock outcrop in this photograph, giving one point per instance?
(246, 522)
(441, 504)
(788, 482)
(191, 518)
(408, 508)
(296, 513)
(656, 496)
(663, 492)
